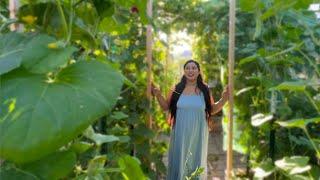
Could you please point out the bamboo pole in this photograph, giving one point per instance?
(149, 61)
(167, 64)
(13, 8)
(231, 49)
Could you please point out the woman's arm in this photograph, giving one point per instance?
(164, 103)
(216, 107)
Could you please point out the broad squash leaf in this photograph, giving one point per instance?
(48, 113)
(15, 174)
(54, 166)
(44, 54)
(11, 48)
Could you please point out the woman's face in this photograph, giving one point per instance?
(191, 71)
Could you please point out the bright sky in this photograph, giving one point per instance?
(180, 45)
(315, 7)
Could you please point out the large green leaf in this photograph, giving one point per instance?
(131, 168)
(110, 25)
(303, 4)
(23, 2)
(292, 86)
(16, 174)
(299, 123)
(96, 166)
(259, 119)
(278, 6)
(248, 59)
(104, 7)
(11, 48)
(81, 147)
(49, 113)
(99, 138)
(264, 169)
(125, 3)
(53, 166)
(97, 170)
(43, 54)
(294, 164)
(250, 5)
(118, 115)
(247, 5)
(301, 141)
(142, 6)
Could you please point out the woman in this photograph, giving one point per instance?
(190, 105)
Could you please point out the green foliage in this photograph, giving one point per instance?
(264, 169)
(99, 138)
(66, 67)
(11, 48)
(54, 166)
(16, 174)
(43, 54)
(42, 116)
(130, 168)
(259, 119)
(276, 72)
(299, 123)
(195, 174)
(294, 167)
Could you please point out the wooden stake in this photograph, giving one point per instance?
(13, 8)
(232, 12)
(149, 60)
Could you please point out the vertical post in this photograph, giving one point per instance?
(13, 8)
(149, 60)
(272, 137)
(167, 63)
(232, 12)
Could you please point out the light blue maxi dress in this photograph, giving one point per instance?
(188, 139)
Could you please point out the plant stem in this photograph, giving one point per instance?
(310, 61)
(311, 101)
(313, 144)
(45, 16)
(63, 19)
(70, 20)
(284, 51)
(8, 23)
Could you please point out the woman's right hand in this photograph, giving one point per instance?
(154, 90)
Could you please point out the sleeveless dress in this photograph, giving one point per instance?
(188, 139)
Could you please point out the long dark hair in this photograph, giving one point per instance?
(180, 87)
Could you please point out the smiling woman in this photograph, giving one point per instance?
(190, 105)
